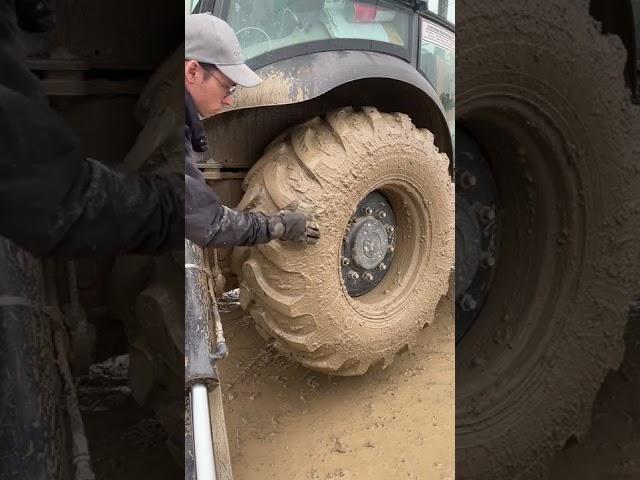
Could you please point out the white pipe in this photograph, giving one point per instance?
(205, 467)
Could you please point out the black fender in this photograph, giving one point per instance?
(298, 88)
(305, 77)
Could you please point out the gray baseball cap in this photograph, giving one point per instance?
(208, 39)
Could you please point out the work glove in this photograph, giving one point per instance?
(293, 226)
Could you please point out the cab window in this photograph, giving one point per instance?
(269, 25)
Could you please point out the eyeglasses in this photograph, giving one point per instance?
(230, 90)
(211, 69)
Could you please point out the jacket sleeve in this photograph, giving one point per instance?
(208, 223)
(54, 201)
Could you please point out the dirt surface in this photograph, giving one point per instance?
(287, 422)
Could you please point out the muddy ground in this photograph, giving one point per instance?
(286, 422)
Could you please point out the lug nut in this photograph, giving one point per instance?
(368, 210)
(468, 303)
(390, 229)
(345, 261)
(382, 266)
(468, 180)
(487, 214)
(353, 275)
(382, 215)
(368, 277)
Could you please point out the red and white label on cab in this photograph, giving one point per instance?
(365, 13)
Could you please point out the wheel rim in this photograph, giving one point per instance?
(411, 244)
(477, 231)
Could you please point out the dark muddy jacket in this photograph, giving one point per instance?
(52, 199)
(207, 221)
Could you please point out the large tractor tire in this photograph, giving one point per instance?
(383, 198)
(541, 91)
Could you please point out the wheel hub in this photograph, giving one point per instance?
(368, 245)
(468, 245)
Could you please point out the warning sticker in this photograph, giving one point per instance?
(439, 36)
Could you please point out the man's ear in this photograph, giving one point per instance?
(191, 71)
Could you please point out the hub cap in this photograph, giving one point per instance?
(368, 245)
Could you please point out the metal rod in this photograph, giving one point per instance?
(221, 345)
(76, 320)
(202, 435)
(79, 442)
(74, 299)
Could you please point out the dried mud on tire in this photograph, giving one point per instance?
(542, 77)
(326, 167)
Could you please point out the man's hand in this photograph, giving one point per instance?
(293, 226)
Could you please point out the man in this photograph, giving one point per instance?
(53, 201)
(213, 67)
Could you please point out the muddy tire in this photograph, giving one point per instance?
(542, 91)
(296, 293)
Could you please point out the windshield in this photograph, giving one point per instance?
(268, 25)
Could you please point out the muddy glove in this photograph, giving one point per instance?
(292, 226)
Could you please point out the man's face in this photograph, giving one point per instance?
(209, 88)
